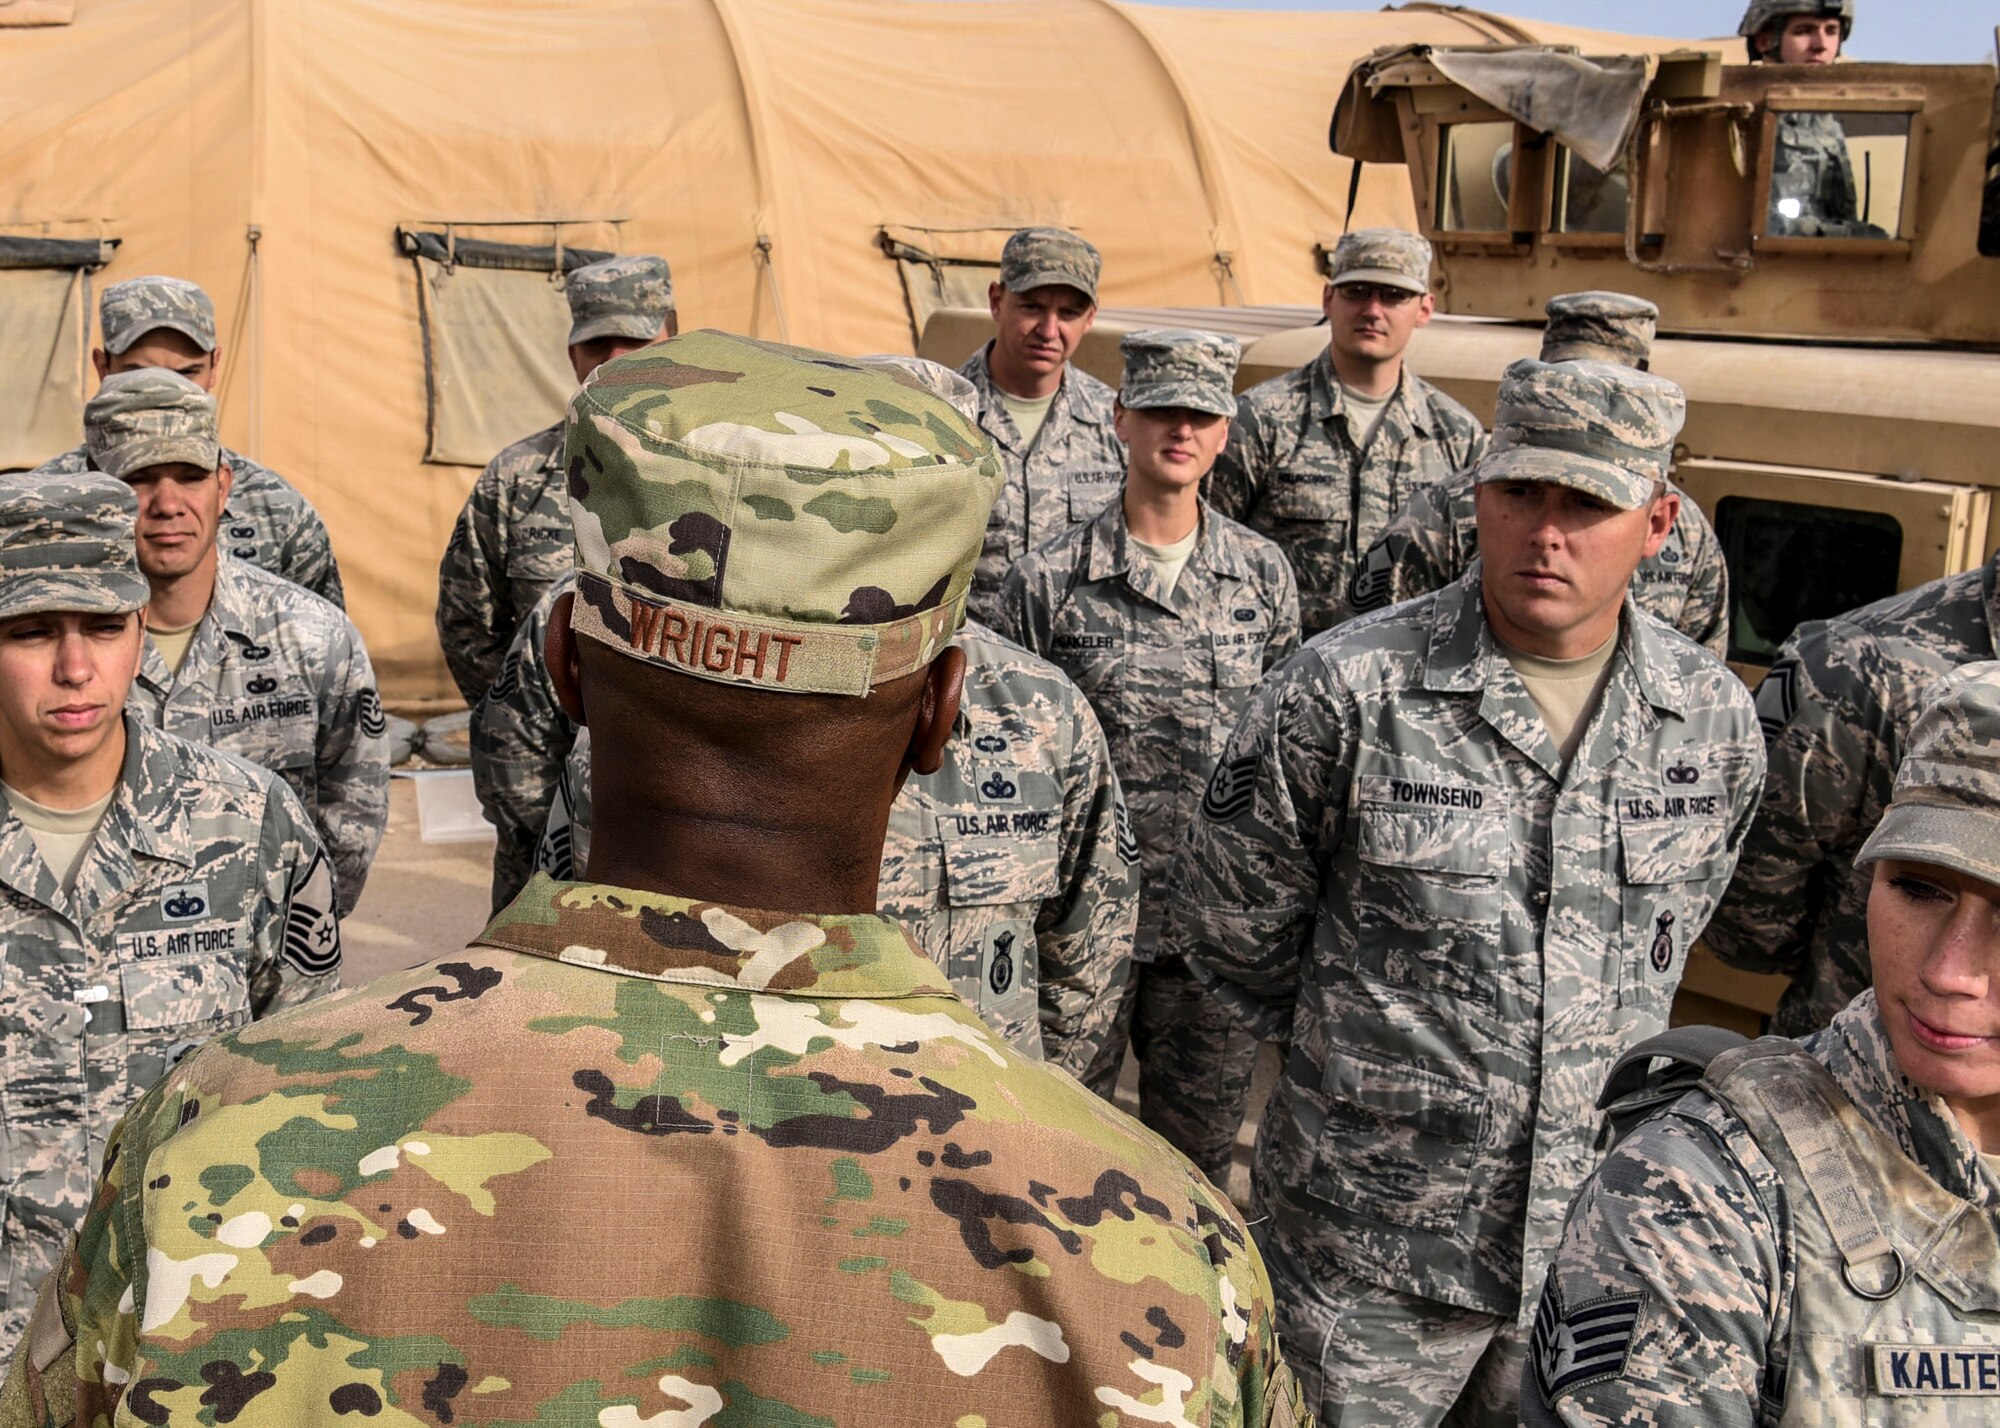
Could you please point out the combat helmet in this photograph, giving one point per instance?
(1759, 14)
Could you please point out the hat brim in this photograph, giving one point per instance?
(617, 324)
(66, 592)
(1602, 479)
(1142, 399)
(1966, 840)
(161, 451)
(1041, 278)
(204, 340)
(1381, 277)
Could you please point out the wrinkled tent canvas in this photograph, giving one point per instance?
(822, 171)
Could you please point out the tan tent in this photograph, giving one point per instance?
(379, 196)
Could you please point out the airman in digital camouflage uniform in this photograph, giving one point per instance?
(511, 542)
(238, 658)
(1811, 1239)
(1049, 419)
(152, 892)
(1012, 865)
(1168, 615)
(170, 323)
(643, 1154)
(1434, 537)
(1813, 193)
(1837, 709)
(1453, 859)
(1320, 458)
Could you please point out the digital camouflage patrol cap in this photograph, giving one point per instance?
(1388, 256)
(131, 309)
(1592, 426)
(1946, 808)
(1761, 13)
(149, 417)
(66, 545)
(1041, 257)
(934, 377)
(1178, 367)
(1600, 327)
(619, 297)
(773, 516)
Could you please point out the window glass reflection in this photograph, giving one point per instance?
(1838, 175)
(1473, 176)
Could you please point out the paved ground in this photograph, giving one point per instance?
(426, 899)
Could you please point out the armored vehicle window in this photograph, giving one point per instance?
(1837, 175)
(1475, 177)
(496, 335)
(1587, 199)
(1790, 562)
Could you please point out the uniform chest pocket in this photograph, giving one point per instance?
(1433, 861)
(1000, 866)
(543, 559)
(173, 1004)
(1317, 496)
(1090, 491)
(1400, 1142)
(1673, 851)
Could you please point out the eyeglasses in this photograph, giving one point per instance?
(1361, 293)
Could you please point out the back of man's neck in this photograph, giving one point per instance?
(665, 851)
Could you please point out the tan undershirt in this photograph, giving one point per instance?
(1029, 413)
(173, 644)
(1565, 690)
(1364, 414)
(1992, 1165)
(1168, 561)
(62, 835)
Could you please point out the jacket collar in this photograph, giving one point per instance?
(998, 422)
(663, 938)
(229, 617)
(1111, 553)
(1326, 399)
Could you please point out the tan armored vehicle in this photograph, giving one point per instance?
(1841, 356)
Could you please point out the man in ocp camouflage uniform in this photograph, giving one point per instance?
(1453, 859)
(1168, 615)
(644, 1153)
(511, 541)
(1813, 194)
(1013, 865)
(1049, 419)
(1431, 541)
(1320, 458)
(152, 892)
(170, 323)
(1837, 708)
(235, 657)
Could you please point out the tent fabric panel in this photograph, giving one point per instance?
(495, 357)
(43, 320)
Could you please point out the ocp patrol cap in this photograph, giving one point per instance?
(773, 516)
(1044, 257)
(1390, 257)
(619, 297)
(1946, 807)
(131, 309)
(1179, 367)
(66, 545)
(1600, 327)
(150, 417)
(1592, 426)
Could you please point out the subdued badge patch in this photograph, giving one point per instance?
(1231, 788)
(1369, 589)
(1574, 1348)
(1128, 844)
(1778, 699)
